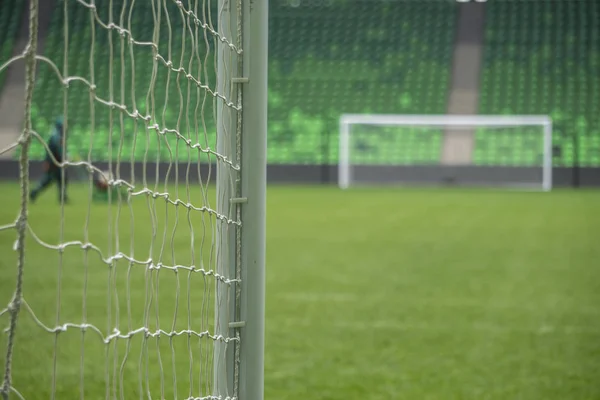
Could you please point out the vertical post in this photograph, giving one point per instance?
(547, 168)
(223, 356)
(325, 150)
(575, 166)
(322, 162)
(344, 157)
(253, 187)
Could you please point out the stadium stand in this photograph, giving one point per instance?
(543, 57)
(540, 57)
(323, 66)
(137, 85)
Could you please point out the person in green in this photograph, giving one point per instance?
(52, 171)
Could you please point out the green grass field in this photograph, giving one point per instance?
(371, 294)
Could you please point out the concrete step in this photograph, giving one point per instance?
(464, 95)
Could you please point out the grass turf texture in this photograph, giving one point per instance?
(378, 294)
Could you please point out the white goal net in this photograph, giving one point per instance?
(492, 151)
(135, 209)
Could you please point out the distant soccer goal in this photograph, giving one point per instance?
(490, 151)
(149, 281)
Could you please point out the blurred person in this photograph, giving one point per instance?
(52, 169)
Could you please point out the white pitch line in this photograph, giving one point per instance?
(317, 297)
(339, 297)
(391, 325)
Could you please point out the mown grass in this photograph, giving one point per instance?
(372, 293)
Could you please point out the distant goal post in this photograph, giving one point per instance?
(472, 150)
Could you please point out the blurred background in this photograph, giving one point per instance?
(372, 293)
(333, 57)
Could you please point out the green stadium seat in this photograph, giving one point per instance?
(543, 57)
(49, 91)
(360, 57)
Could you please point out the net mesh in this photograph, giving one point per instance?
(118, 297)
(509, 155)
(515, 146)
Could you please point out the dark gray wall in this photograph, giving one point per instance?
(319, 174)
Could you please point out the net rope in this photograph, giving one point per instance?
(190, 131)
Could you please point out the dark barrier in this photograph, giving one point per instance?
(327, 174)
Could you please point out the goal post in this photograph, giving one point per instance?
(156, 288)
(240, 308)
(478, 150)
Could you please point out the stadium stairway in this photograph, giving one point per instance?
(11, 110)
(458, 145)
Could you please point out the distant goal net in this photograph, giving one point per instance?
(485, 151)
(138, 202)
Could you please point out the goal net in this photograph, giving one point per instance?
(130, 282)
(492, 151)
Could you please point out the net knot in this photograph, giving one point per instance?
(28, 51)
(158, 266)
(116, 257)
(14, 305)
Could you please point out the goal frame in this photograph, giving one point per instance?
(242, 138)
(238, 240)
(465, 121)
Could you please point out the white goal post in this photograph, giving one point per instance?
(439, 138)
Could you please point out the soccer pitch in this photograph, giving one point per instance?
(371, 293)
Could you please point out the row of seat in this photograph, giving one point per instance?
(540, 57)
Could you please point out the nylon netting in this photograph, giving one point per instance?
(502, 152)
(114, 291)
